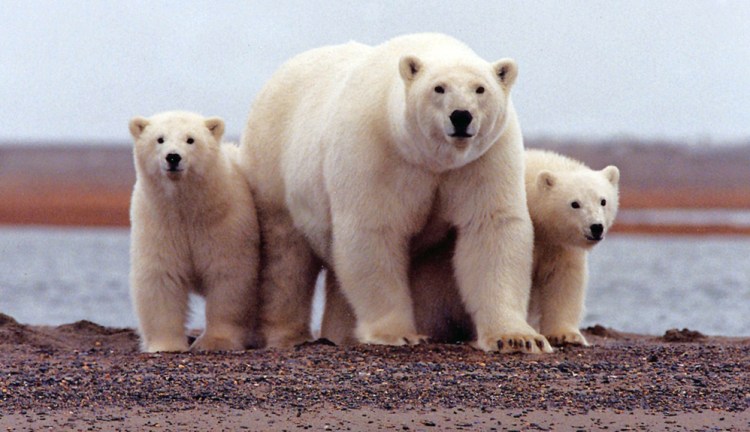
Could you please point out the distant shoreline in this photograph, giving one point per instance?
(71, 207)
(90, 185)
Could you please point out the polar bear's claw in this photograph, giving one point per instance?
(528, 344)
(383, 339)
(419, 339)
(215, 343)
(567, 338)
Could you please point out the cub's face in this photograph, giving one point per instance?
(174, 145)
(456, 111)
(578, 208)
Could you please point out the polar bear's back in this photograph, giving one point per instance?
(336, 79)
(432, 46)
(316, 79)
(290, 109)
(317, 94)
(304, 83)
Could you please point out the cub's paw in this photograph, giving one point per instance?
(216, 343)
(175, 345)
(527, 343)
(572, 337)
(395, 340)
(285, 339)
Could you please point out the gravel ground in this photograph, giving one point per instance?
(83, 376)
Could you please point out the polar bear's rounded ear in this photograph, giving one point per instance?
(545, 180)
(409, 66)
(506, 71)
(612, 173)
(137, 125)
(216, 126)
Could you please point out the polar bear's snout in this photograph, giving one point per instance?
(461, 119)
(596, 232)
(173, 162)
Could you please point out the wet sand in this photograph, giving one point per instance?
(87, 377)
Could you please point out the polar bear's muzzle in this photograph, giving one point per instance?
(173, 163)
(461, 120)
(596, 233)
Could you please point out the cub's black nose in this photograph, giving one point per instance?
(173, 159)
(461, 120)
(597, 230)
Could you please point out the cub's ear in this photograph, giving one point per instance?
(409, 66)
(506, 71)
(612, 174)
(137, 125)
(216, 126)
(545, 180)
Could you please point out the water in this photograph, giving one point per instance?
(686, 217)
(644, 284)
(648, 284)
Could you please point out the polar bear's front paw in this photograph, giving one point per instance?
(528, 343)
(390, 339)
(285, 338)
(571, 337)
(173, 345)
(216, 343)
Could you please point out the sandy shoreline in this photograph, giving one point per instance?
(84, 376)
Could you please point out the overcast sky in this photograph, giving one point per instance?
(79, 70)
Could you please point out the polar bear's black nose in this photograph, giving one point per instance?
(461, 120)
(597, 230)
(173, 159)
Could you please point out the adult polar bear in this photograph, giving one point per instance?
(357, 153)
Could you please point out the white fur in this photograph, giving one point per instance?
(563, 237)
(193, 229)
(350, 154)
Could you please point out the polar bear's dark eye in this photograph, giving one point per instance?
(439, 89)
(604, 202)
(190, 140)
(575, 205)
(480, 90)
(160, 140)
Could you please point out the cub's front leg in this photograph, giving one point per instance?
(560, 297)
(231, 304)
(160, 300)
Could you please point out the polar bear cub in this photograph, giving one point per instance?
(193, 229)
(355, 151)
(572, 207)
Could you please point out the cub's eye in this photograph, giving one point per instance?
(575, 205)
(190, 140)
(480, 90)
(439, 89)
(160, 140)
(604, 202)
